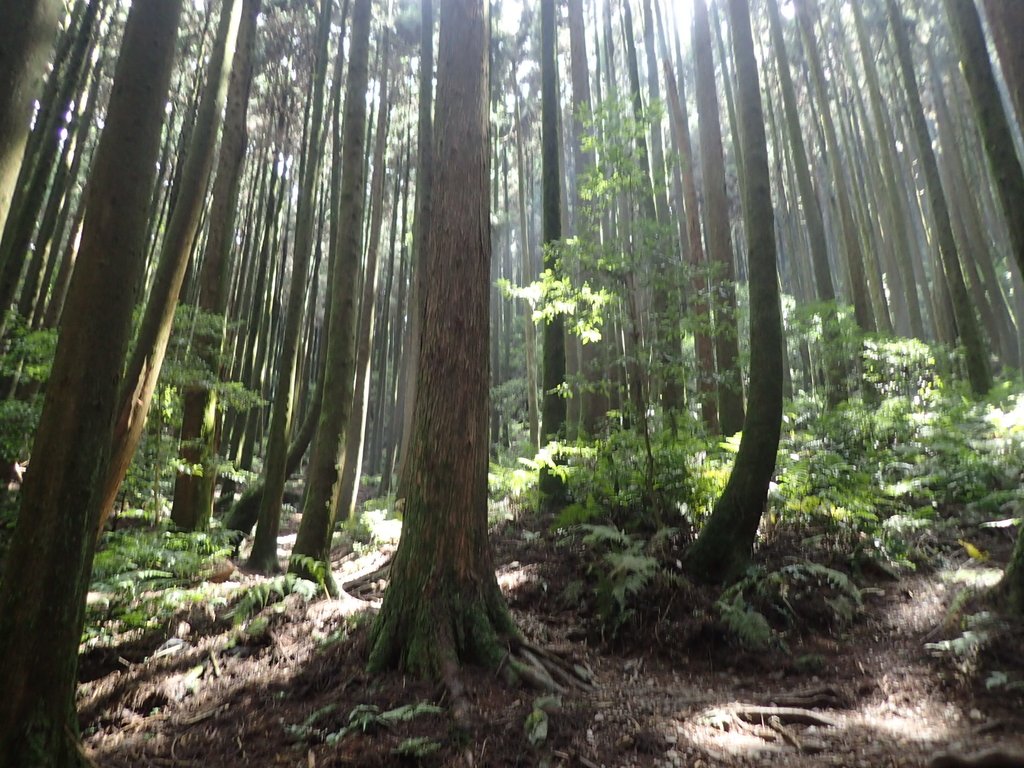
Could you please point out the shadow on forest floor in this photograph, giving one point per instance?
(288, 687)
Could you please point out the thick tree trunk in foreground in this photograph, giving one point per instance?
(443, 606)
(42, 604)
(26, 38)
(722, 551)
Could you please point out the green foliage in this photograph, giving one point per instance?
(624, 565)
(367, 718)
(748, 626)
(141, 577)
(29, 353)
(18, 421)
(264, 593)
(607, 481)
(799, 595)
(417, 747)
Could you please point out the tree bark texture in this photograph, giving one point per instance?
(443, 606)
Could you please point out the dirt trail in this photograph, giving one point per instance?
(873, 696)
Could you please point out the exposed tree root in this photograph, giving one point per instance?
(786, 715)
(543, 670)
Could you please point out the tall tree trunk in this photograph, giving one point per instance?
(719, 240)
(155, 328)
(264, 548)
(443, 606)
(1006, 19)
(424, 182)
(46, 574)
(848, 228)
(200, 429)
(66, 84)
(553, 410)
(328, 452)
(897, 207)
(978, 370)
(356, 433)
(835, 366)
(698, 304)
(722, 551)
(594, 406)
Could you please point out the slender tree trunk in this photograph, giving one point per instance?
(26, 39)
(719, 240)
(424, 182)
(698, 303)
(264, 548)
(200, 430)
(47, 569)
(978, 370)
(899, 214)
(329, 445)
(553, 410)
(988, 106)
(1006, 19)
(530, 327)
(155, 328)
(355, 435)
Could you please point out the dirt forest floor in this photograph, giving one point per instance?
(671, 691)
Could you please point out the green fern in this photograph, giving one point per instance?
(747, 625)
(262, 594)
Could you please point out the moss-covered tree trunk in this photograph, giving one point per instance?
(200, 428)
(722, 551)
(46, 575)
(443, 606)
